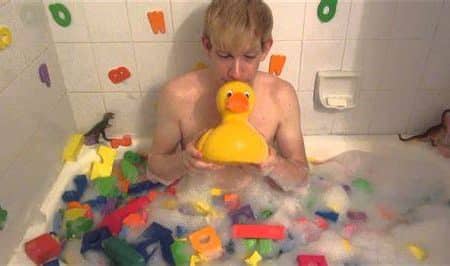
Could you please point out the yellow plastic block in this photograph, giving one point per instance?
(74, 213)
(207, 243)
(418, 252)
(170, 204)
(203, 208)
(254, 259)
(215, 192)
(73, 147)
(347, 245)
(100, 170)
(194, 260)
(107, 154)
(103, 168)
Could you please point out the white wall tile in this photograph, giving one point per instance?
(416, 19)
(391, 112)
(188, 19)
(438, 66)
(77, 31)
(334, 29)
(405, 65)
(187, 55)
(314, 120)
(126, 108)
(12, 58)
(288, 20)
(292, 51)
(443, 28)
(78, 67)
(155, 64)
(319, 56)
(110, 56)
(140, 25)
(426, 111)
(371, 19)
(107, 20)
(355, 121)
(88, 109)
(367, 57)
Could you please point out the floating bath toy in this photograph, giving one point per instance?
(234, 140)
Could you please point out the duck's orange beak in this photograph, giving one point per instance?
(237, 103)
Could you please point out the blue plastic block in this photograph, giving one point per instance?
(156, 232)
(142, 187)
(93, 239)
(329, 215)
(54, 262)
(96, 203)
(181, 231)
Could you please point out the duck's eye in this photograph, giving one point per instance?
(229, 93)
(247, 94)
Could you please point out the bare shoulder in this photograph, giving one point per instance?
(280, 90)
(182, 88)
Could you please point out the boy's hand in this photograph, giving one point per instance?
(192, 159)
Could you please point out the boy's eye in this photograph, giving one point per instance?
(250, 56)
(222, 55)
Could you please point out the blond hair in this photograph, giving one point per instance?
(233, 24)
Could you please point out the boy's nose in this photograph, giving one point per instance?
(236, 71)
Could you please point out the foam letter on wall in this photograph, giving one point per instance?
(276, 64)
(5, 37)
(326, 10)
(119, 74)
(60, 14)
(156, 20)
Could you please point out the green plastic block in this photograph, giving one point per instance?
(133, 157)
(181, 252)
(250, 244)
(107, 186)
(265, 247)
(76, 228)
(362, 184)
(122, 253)
(265, 214)
(129, 171)
(3, 216)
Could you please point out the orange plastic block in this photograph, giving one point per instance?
(136, 220)
(119, 74)
(276, 232)
(124, 141)
(385, 212)
(207, 243)
(78, 205)
(231, 201)
(73, 147)
(156, 20)
(103, 168)
(276, 64)
(151, 196)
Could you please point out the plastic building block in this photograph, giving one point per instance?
(122, 253)
(54, 262)
(216, 192)
(124, 141)
(229, 247)
(180, 252)
(363, 185)
(57, 221)
(107, 186)
(133, 157)
(195, 260)
(276, 232)
(326, 10)
(207, 243)
(136, 220)
(3, 216)
(103, 168)
(156, 20)
(419, 253)
(109, 206)
(357, 216)
(321, 223)
(74, 213)
(242, 215)
(5, 37)
(311, 260)
(265, 247)
(43, 248)
(76, 228)
(203, 208)
(96, 203)
(93, 240)
(254, 259)
(265, 214)
(329, 215)
(231, 201)
(276, 64)
(154, 233)
(60, 14)
(80, 182)
(73, 147)
(119, 74)
(347, 245)
(142, 186)
(180, 231)
(43, 75)
(129, 170)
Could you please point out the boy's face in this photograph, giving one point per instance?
(241, 64)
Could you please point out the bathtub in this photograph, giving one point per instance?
(317, 147)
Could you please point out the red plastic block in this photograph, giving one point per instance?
(43, 248)
(311, 260)
(124, 141)
(276, 232)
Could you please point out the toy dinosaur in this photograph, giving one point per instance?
(93, 135)
(435, 133)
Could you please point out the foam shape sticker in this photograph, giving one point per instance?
(156, 20)
(207, 243)
(276, 64)
(5, 37)
(43, 75)
(326, 10)
(60, 14)
(73, 147)
(119, 74)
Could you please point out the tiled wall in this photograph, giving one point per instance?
(399, 46)
(35, 120)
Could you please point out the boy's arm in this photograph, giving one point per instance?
(165, 159)
(291, 167)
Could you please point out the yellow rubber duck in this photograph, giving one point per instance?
(234, 140)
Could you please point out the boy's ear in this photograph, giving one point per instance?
(206, 43)
(266, 47)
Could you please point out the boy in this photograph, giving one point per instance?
(237, 36)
